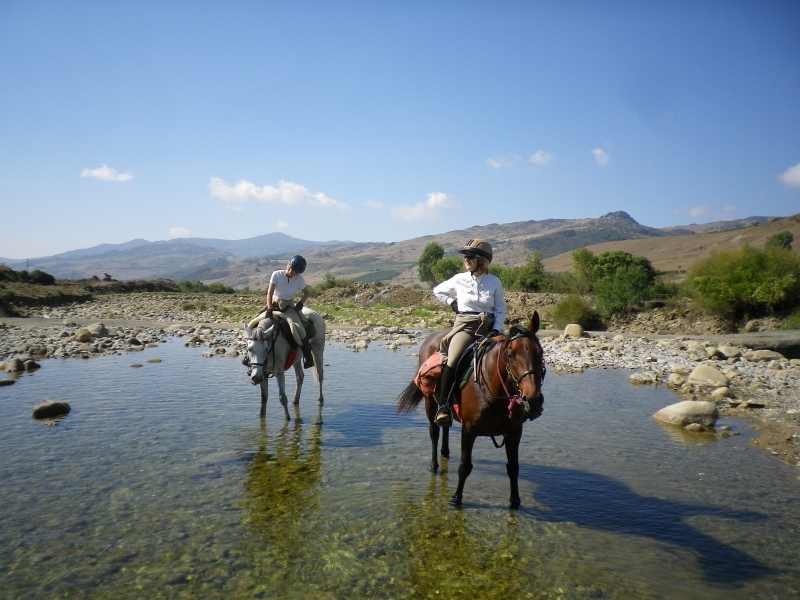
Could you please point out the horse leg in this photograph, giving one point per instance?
(299, 376)
(512, 466)
(281, 379)
(465, 468)
(264, 394)
(433, 431)
(445, 442)
(318, 371)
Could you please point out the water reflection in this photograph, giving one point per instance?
(591, 500)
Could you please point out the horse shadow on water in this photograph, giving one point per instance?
(597, 502)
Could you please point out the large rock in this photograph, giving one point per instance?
(82, 335)
(763, 355)
(689, 411)
(49, 408)
(573, 330)
(15, 365)
(730, 351)
(707, 375)
(97, 330)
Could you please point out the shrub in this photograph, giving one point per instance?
(445, 268)
(782, 239)
(199, 286)
(626, 286)
(574, 309)
(528, 277)
(41, 278)
(792, 321)
(736, 282)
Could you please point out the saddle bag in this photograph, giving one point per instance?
(429, 375)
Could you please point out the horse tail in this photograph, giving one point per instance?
(408, 399)
(318, 341)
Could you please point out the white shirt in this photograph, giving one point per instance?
(483, 293)
(285, 287)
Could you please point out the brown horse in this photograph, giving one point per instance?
(504, 390)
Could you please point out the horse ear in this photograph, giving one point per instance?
(533, 326)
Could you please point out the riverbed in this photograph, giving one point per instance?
(163, 482)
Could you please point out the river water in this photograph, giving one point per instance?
(164, 483)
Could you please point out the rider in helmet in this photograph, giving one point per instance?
(479, 302)
(283, 285)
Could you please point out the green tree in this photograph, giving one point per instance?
(531, 275)
(432, 253)
(782, 239)
(583, 261)
(445, 268)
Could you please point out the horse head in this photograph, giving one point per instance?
(525, 367)
(259, 343)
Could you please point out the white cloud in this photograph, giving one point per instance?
(727, 213)
(700, 211)
(503, 162)
(282, 225)
(106, 173)
(374, 204)
(178, 232)
(424, 210)
(791, 176)
(540, 157)
(601, 156)
(285, 193)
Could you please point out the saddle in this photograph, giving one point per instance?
(429, 375)
(287, 327)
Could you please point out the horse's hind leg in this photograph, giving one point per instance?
(445, 442)
(299, 375)
(465, 468)
(512, 466)
(264, 394)
(433, 431)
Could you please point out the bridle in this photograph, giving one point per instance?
(250, 364)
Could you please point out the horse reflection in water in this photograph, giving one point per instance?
(268, 351)
(281, 489)
(504, 391)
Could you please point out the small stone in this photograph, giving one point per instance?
(689, 411)
(763, 355)
(15, 365)
(154, 360)
(720, 393)
(707, 375)
(4, 382)
(136, 365)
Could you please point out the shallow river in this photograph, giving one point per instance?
(164, 483)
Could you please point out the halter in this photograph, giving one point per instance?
(249, 364)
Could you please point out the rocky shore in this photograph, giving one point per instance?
(741, 380)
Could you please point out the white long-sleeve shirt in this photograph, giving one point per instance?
(483, 293)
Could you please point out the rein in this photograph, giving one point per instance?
(515, 399)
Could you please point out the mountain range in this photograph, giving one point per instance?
(248, 263)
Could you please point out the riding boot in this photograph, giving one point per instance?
(308, 358)
(444, 416)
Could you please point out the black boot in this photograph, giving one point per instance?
(308, 358)
(444, 416)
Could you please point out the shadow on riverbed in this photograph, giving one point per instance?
(598, 502)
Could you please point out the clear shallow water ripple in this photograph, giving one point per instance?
(163, 482)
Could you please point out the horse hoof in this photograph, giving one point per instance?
(514, 504)
(434, 468)
(454, 501)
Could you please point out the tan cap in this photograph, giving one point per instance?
(479, 247)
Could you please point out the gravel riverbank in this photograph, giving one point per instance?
(739, 373)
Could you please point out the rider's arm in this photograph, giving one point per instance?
(446, 291)
(270, 291)
(305, 295)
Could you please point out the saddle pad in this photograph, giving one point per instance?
(429, 374)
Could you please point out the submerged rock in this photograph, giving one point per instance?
(49, 408)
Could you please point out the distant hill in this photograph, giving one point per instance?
(679, 253)
(250, 262)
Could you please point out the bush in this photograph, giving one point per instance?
(574, 309)
(528, 277)
(746, 281)
(330, 282)
(627, 286)
(199, 286)
(782, 239)
(445, 268)
(792, 321)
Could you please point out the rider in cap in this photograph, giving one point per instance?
(479, 302)
(283, 285)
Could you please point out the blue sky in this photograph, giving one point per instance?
(383, 121)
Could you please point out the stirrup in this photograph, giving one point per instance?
(444, 416)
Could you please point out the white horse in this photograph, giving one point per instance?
(268, 351)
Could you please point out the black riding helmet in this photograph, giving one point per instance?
(298, 263)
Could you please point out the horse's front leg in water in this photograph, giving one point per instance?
(465, 468)
(445, 442)
(299, 376)
(264, 395)
(281, 379)
(512, 466)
